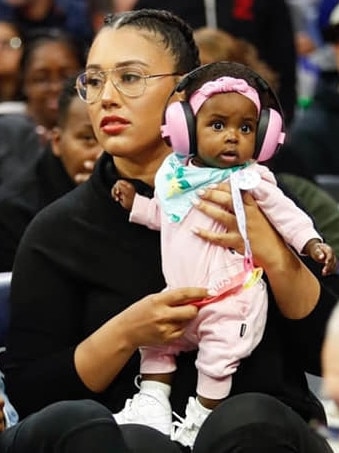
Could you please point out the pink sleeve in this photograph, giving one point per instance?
(294, 225)
(146, 211)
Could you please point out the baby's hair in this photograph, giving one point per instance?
(66, 97)
(219, 69)
(176, 34)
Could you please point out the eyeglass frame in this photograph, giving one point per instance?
(143, 76)
(13, 43)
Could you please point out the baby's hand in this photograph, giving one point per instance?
(323, 253)
(124, 193)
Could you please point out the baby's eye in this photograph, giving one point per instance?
(217, 125)
(246, 128)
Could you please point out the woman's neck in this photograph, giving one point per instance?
(143, 169)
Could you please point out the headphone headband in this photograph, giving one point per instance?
(223, 85)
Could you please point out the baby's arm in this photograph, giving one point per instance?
(124, 193)
(143, 210)
(322, 253)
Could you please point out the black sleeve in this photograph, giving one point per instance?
(39, 366)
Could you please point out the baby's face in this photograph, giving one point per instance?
(226, 130)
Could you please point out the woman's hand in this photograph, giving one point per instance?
(295, 288)
(155, 319)
(161, 318)
(217, 203)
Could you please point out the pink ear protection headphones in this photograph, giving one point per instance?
(179, 126)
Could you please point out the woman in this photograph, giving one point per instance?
(11, 47)
(49, 58)
(82, 268)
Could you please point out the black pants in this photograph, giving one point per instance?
(257, 423)
(82, 426)
(247, 423)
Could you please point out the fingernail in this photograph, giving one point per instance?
(200, 192)
(88, 164)
(212, 292)
(195, 202)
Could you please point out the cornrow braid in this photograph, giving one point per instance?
(176, 34)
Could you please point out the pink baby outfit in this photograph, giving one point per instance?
(226, 331)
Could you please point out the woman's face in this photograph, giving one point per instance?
(10, 50)
(129, 127)
(49, 66)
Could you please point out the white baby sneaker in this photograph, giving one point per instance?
(149, 407)
(186, 429)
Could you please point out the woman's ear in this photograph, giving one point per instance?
(55, 141)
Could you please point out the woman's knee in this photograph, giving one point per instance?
(249, 417)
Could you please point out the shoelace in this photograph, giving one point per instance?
(180, 425)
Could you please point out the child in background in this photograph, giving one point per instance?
(217, 135)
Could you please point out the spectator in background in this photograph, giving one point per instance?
(11, 48)
(330, 367)
(311, 148)
(216, 45)
(48, 59)
(266, 24)
(314, 55)
(67, 160)
(98, 9)
(71, 16)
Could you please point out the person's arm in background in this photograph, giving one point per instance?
(8, 415)
(330, 357)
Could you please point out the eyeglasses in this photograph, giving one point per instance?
(11, 44)
(128, 81)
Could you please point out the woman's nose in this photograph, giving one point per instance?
(109, 92)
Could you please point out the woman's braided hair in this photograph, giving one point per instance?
(175, 34)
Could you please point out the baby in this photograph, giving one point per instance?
(227, 113)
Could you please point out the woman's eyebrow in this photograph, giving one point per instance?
(120, 64)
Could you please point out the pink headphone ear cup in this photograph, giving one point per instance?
(175, 129)
(270, 134)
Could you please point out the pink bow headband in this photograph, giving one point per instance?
(223, 85)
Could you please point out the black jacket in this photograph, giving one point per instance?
(19, 145)
(43, 181)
